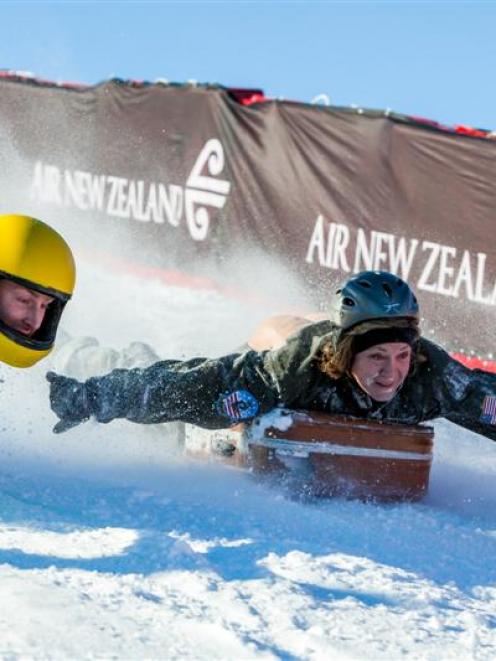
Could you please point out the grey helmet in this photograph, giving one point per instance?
(372, 295)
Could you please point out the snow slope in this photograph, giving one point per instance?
(112, 545)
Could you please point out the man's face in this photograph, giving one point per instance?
(22, 309)
(381, 370)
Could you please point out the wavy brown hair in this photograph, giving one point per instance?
(337, 361)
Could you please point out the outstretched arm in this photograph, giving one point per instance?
(477, 410)
(208, 393)
(212, 393)
(466, 397)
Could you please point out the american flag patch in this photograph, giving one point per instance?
(238, 405)
(489, 410)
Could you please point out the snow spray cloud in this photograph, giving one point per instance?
(174, 320)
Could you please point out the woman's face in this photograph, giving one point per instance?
(381, 370)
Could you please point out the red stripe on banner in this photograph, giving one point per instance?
(172, 277)
(475, 363)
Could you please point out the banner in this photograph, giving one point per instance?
(191, 177)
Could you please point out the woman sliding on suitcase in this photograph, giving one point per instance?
(368, 361)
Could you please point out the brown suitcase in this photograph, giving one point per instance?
(316, 454)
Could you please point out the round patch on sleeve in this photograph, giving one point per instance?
(238, 405)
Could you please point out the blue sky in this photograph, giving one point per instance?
(433, 59)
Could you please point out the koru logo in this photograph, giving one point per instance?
(205, 190)
(141, 200)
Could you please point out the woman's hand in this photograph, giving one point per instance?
(69, 401)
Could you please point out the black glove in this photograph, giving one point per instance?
(69, 401)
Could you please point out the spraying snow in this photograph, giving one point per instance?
(113, 545)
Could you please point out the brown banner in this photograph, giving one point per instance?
(190, 177)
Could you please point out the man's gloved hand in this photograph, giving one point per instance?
(69, 401)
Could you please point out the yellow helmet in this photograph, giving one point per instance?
(35, 256)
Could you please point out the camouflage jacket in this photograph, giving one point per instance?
(216, 393)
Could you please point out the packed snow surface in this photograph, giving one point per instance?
(114, 545)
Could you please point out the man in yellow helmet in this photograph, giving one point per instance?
(37, 276)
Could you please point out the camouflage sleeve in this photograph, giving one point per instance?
(466, 397)
(293, 366)
(211, 393)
